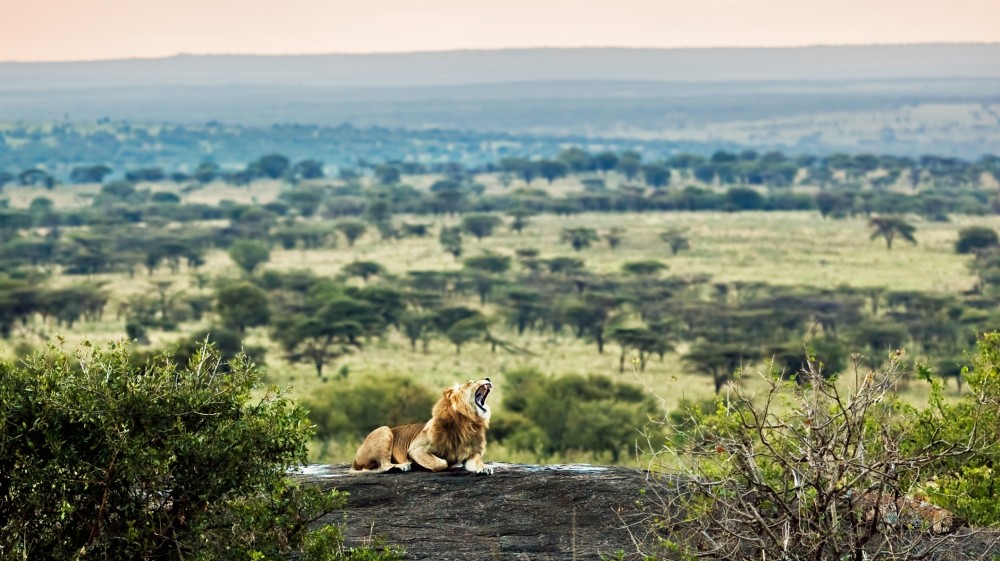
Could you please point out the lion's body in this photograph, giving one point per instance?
(456, 434)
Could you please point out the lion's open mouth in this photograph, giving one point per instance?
(481, 393)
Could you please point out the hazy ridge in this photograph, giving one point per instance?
(906, 99)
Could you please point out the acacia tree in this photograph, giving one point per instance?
(451, 240)
(480, 225)
(241, 305)
(719, 360)
(676, 239)
(888, 227)
(485, 270)
(614, 237)
(352, 230)
(333, 330)
(579, 238)
(249, 254)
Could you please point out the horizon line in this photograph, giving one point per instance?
(498, 49)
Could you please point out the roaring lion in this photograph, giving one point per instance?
(456, 434)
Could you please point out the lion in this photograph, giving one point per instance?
(455, 435)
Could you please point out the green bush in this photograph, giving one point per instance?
(966, 483)
(353, 410)
(590, 414)
(102, 459)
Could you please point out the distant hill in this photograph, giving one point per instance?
(907, 99)
(825, 64)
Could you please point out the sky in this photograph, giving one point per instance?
(50, 30)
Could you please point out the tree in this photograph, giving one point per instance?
(101, 459)
(579, 238)
(331, 331)
(588, 316)
(273, 166)
(484, 269)
(449, 195)
(976, 238)
(644, 268)
(656, 175)
(480, 225)
(676, 239)
(387, 174)
(451, 240)
(89, 174)
(305, 199)
(629, 165)
(363, 269)
(241, 305)
(520, 219)
(552, 169)
(249, 254)
(308, 169)
(605, 161)
(614, 237)
(888, 227)
(145, 174)
(417, 326)
(743, 198)
(719, 360)
(35, 176)
(525, 306)
(206, 172)
(467, 329)
(352, 230)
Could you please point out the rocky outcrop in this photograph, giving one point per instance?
(520, 512)
(529, 513)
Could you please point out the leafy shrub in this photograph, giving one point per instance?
(976, 238)
(353, 410)
(101, 459)
(965, 482)
(571, 413)
(831, 469)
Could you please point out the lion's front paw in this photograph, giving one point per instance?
(487, 470)
(405, 467)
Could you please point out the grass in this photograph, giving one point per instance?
(789, 249)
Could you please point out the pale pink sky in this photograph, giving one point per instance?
(99, 29)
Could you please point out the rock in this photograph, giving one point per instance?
(520, 512)
(540, 513)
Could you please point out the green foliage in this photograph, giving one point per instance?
(100, 459)
(352, 230)
(353, 410)
(363, 269)
(572, 413)
(480, 225)
(888, 227)
(676, 239)
(579, 238)
(976, 238)
(327, 544)
(241, 305)
(966, 483)
(646, 267)
(249, 254)
(451, 240)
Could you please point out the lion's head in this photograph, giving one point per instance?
(469, 399)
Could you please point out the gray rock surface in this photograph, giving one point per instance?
(529, 513)
(521, 512)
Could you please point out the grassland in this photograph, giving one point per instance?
(788, 249)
